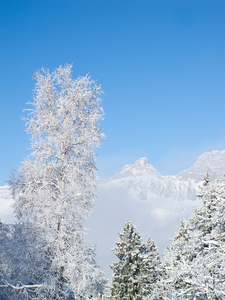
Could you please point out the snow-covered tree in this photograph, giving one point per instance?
(93, 281)
(126, 280)
(151, 268)
(207, 227)
(177, 266)
(138, 267)
(21, 265)
(204, 186)
(55, 187)
(194, 263)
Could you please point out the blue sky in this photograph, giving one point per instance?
(160, 63)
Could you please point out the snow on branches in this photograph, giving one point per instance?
(137, 268)
(55, 187)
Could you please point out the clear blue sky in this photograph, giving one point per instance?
(161, 65)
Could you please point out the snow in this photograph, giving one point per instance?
(213, 162)
(153, 202)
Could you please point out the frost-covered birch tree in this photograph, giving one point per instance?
(55, 187)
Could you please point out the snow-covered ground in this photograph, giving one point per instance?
(153, 202)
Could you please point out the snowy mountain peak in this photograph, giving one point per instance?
(141, 163)
(212, 162)
(140, 166)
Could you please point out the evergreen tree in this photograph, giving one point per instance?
(208, 235)
(205, 185)
(138, 268)
(127, 277)
(177, 265)
(194, 263)
(152, 268)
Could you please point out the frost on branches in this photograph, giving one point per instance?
(137, 268)
(195, 262)
(55, 187)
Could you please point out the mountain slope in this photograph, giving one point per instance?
(212, 162)
(144, 181)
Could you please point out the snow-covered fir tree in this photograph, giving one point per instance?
(55, 187)
(138, 266)
(177, 266)
(203, 188)
(152, 268)
(126, 281)
(207, 227)
(194, 263)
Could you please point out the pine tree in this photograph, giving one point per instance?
(152, 269)
(205, 185)
(56, 185)
(194, 263)
(208, 231)
(127, 281)
(177, 265)
(138, 268)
